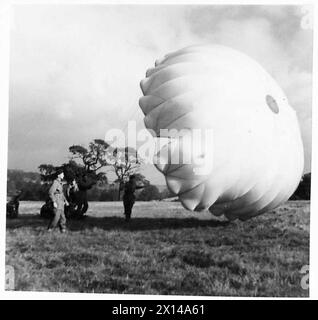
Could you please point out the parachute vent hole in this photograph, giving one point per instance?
(271, 102)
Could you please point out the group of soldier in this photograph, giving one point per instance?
(69, 202)
(72, 201)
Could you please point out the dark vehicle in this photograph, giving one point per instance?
(47, 210)
(13, 205)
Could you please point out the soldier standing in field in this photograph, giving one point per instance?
(129, 195)
(56, 195)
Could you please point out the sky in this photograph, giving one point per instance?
(75, 69)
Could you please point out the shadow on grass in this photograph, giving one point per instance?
(117, 223)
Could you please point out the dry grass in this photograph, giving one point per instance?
(163, 250)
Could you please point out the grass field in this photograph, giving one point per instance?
(163, 250)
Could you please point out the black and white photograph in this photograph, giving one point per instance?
(159, 149)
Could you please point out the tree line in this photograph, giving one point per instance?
(34, 189)
(93, 163)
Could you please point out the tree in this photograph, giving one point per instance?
(166, 193)
(11, 186)
(82, 167)
(47, 172)
(303, 190)
(71, 171)
(149, 193)
(83, 161)
(109, 194)
(92, 158)
(26, 184)
(125, 162)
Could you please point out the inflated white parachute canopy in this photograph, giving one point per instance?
(253, 160)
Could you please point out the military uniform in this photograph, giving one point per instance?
(56, 194)
(129, 197)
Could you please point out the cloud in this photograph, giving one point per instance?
(75, 70)
(64, 110)
(273, 36)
